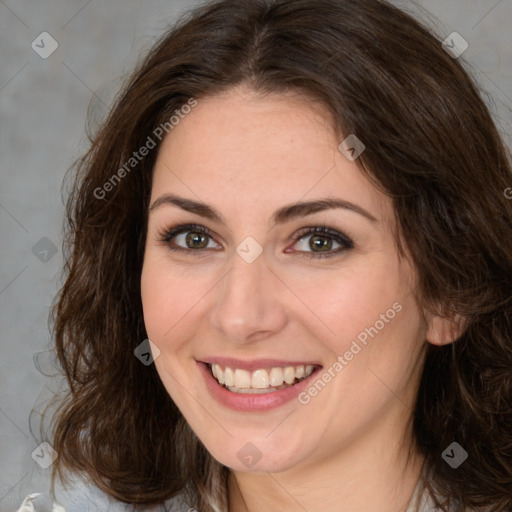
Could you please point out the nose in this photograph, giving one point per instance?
(250, 303)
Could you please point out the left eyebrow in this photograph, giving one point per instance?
(287, 213)
(280, 216)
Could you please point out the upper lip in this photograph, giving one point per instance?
(254, 364)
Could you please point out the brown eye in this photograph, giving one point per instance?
(188, 237)
(196, 240)
(317, 242)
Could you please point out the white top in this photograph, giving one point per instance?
(30, 504)
(82, 496)
(421, 500)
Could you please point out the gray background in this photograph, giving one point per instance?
(43, 109)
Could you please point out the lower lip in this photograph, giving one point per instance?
(252, 402)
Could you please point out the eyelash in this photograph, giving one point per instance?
(167, 235)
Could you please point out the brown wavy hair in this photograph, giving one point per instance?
(431, 146)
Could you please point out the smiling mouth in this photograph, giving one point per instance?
(264, 380)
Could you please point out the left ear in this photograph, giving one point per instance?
(443, 330)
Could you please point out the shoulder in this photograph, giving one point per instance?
(37, 501)
(423, 502)
(80, 496)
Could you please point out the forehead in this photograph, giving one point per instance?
(261, 151)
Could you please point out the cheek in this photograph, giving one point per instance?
(168, 299)
(345, 304)
(169, 296)
(378, 334)
(157, 298)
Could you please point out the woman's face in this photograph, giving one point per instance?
(265, 299)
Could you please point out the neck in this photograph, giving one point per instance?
(367, 475)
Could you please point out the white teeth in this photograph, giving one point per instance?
(229, 377)
(218, 373)
(259, 379)
(289, 374)
(242, 379)
(276, 377)
(263, 380)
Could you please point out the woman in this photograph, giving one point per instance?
(301, 204)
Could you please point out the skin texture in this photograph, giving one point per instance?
(248, 155)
